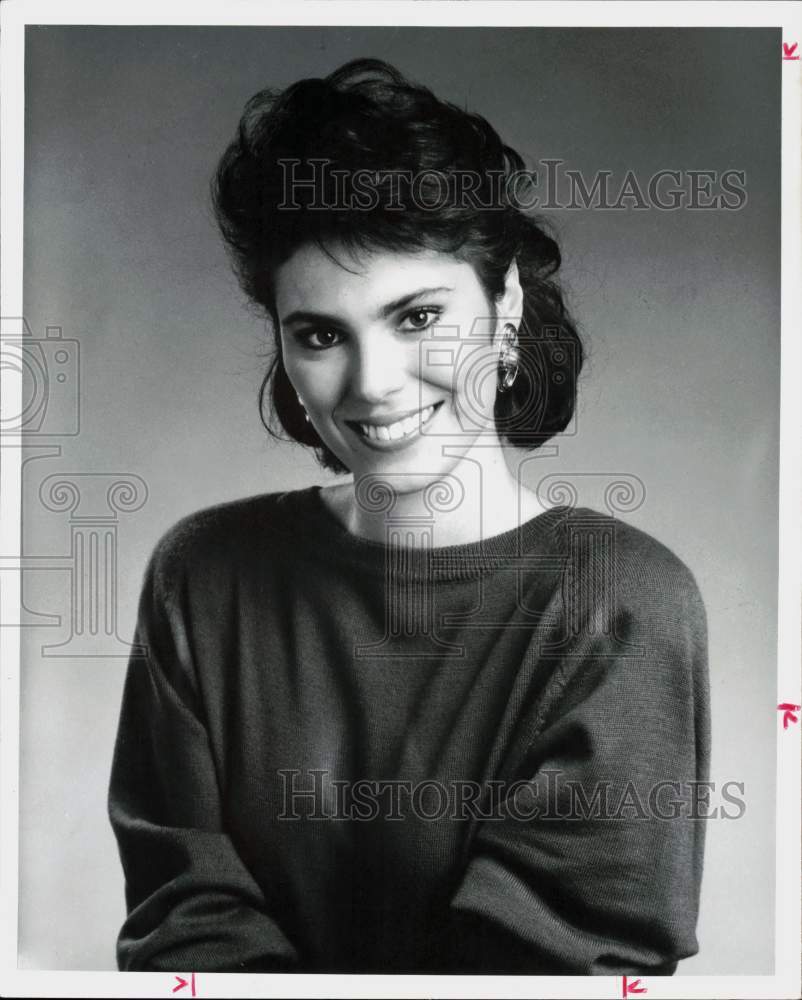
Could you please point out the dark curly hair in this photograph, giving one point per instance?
(366, 118)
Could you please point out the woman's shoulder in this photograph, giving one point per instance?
(625, 586)
(641, 567)
(226, 533)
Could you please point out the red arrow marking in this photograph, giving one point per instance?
(788, 50)
(633, 987)
(788, 709)
(181, 984)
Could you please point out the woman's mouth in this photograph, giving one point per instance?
(398, 434)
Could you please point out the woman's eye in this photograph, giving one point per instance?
(319, 340)
(420, 319)
(325, 337)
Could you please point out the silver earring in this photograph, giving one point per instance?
(508, 358)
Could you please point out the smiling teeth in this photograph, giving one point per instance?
(400, 429)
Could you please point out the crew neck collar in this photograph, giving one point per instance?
(316, 525)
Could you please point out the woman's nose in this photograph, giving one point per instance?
(380, 368)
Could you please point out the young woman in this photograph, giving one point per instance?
(417, 722)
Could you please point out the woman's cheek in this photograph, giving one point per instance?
(321, 382)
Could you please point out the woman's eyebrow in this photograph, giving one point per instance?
(396, 304)
(309, 316)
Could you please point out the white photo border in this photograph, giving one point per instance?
(14, 16)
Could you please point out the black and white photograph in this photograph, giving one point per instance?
(398, 427)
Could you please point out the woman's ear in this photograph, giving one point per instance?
(511, 305)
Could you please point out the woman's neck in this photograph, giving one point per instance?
(477, 499)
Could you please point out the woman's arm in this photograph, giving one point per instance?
(191, 902)
(611, 886)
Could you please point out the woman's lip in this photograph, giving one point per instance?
(394, 444)
(394, 419)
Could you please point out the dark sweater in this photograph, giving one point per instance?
(515, 703)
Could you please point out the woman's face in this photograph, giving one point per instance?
(392, 358)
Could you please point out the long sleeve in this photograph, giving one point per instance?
(191, 902)
(560, 882)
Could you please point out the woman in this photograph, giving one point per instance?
(418, 722)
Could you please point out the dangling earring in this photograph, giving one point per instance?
(307, 418)
(508, 358)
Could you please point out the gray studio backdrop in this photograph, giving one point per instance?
(157, 415)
